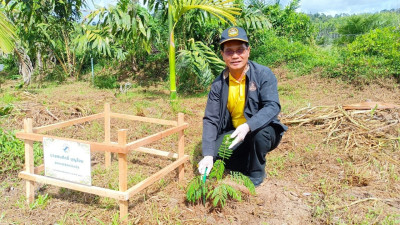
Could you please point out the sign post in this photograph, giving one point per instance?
(67, 160)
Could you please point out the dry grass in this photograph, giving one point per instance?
(332, 167)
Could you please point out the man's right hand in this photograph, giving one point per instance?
(206, 162)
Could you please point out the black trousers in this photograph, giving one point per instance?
(249, 156)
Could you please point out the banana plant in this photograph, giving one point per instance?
(224, 10)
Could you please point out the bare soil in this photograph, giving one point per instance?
(309, 181)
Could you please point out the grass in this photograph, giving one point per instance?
(12, 152)
(41, 201)
(336, 179)
(291, 97)
(71, 218)
(8, 98)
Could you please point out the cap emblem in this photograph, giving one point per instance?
(233, 32)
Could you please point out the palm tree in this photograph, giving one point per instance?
(223, 10)
(7, 34)
(121, 29)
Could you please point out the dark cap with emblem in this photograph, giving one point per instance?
(233, 33)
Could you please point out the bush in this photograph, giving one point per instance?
(10, 70)
(271, 50)
(372, 55)
(57, 74)
(105, 81)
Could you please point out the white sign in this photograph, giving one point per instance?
(67, 160)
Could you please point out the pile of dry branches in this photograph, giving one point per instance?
(353, 128)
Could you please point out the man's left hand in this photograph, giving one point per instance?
(240, 133)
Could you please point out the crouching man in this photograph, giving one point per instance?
(243, 102)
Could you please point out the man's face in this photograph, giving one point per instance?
(236, 55)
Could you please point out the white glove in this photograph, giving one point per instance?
(240, 133)
(206, 162)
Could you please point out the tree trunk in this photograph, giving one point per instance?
(134, 64)
(25, 64)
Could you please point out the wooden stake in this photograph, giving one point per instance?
(123, 175)
(107, 135)
(29, 164)
(181, 146)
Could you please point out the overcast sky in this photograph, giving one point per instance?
(329, 7)
(332, 7)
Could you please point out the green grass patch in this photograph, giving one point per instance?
(291, 98)
(12, 152)
(8, 98)
(40, 202)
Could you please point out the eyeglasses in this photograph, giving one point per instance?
(230, 52)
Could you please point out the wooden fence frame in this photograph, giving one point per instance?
(122, 148)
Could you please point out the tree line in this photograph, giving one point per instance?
(51, 40)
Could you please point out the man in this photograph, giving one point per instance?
(243, 101)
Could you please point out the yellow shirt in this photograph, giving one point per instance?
(236, 100)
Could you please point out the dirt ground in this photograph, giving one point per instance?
(310, 180)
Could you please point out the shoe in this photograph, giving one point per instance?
(257, 180)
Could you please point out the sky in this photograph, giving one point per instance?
(328, 7)
(332, 7)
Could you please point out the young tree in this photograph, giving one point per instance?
(46, 26)
(223, 10)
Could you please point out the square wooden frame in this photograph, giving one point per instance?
(31, 173)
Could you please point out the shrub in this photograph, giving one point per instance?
(372, 55)
(105, 81)
(271, 50)
(57, 74)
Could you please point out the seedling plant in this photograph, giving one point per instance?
(219, 186)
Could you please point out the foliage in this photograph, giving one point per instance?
(127, 28)
(197, 67)
(351, 26)
(12, 152)
(105, 81)
(219, 189)
(252, 19)
(57, 74)
(356, 25)
(5, 110)
(221, 193)
(287, 22)
(272, 50)
(372, 55)
(218, 170)
(45, 30)
(224, 152)
(223, 10)
(7, 34)
(194, 189)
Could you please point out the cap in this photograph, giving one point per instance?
(233, 33)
